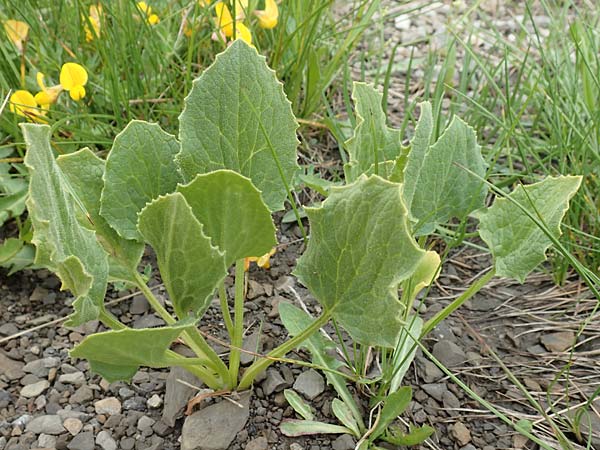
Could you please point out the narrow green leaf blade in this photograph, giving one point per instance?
(189, 265)
(232, 212)
(360, 250)
(85, 172)
(62, 244)
(517, 243)
(297, 428)
(373, 142)
(139, 168)
(237, 117)
(298, 403)
(405, 351)
(415, 436)
(118, 354)
(436, 185)
(394, 405)
(344, 415)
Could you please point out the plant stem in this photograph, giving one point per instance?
(225, 309)
(196, 369)
(109, 320)
(262, 364)
(457, 303)
(193, 340)
(238, 326)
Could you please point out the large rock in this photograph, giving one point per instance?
(11, 369)
(216, 426)
(34, 389)
(177, 394)
(449, 354)
(48, 424)
(310, 384)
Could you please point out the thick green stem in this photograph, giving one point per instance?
(238, 326)
(262, 364)
(225, 309)
(457, 303)
(195, 366)
(193, 340)
(109, 320)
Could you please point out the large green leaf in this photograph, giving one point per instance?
(85, 172)
(517, 243)
(394, 405)
(232, 212)
(62, 244)
(436, 185)
(237, 117)
(373, 142)
(118, 354)
(358, 252)
(139, 168)
(190, 266)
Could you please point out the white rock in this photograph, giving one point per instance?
(106, 441)
(110, 405)
(73, 425)
(35, 389)
(154, 402)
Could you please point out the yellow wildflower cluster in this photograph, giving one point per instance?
(264, 261)
(145, 9)
(230, 28)
(73, 78)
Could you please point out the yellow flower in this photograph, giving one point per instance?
(243, 33)
(46, 96)
(151, 18)
(263, 262)
(225, 23)
(73, 78)
(204, 3)
(268, 17)
(17, 32)
(22, 103)
(94, 18)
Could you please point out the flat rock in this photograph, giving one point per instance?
(75, 378)
(83, 441)
(106, 441)
(139, 305)
(145, 423)
(274, 382)
(449, 354)
(558, 342)
(310, 384)
(436, 390)
(47, 424)
(216, 426)
(81, 395)
(110, 405)
(11, 369)
(251, 344)
(461, 433)
(73, 425)
(35, 389)
(41, 367)
(8, 329)
(344, 442)
(177, 394)
(260, 443)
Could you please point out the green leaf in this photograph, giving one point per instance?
(345, 416)
(237, 117)
(190, 266)
(359, 251)
(393, 406)
(84, 172)
(18, 261)
(436, 185)
(414, 437)
(232, 212)
(425, 273)
(373, 141)
(139, 168)
(12, 205)
(517, 243)
(296, 428)
(117, 355)
(295, 321)
(9, 249)
(405, 351)
(62, 244)
(299, 405)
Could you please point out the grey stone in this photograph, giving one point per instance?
(83, 441)
(558, 342)
(296, 446)
(274, 382)
(75, 378)
(450, 400)
(251, 344)
(460, 433)
(8, 329)
(449, 354)
(35, 389)
(260, 443)
(110, 405)
(127, 443)
(41, 367)
(48, 424)
(436, 390)
(126, 393)
(139, 305)
(310, 384)
(46, 441)
(82, 395)
(11, 369)
(216, 426)
(106, 441)
(145, 423)
(431, 372)
(177, 394)
(344, 442)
